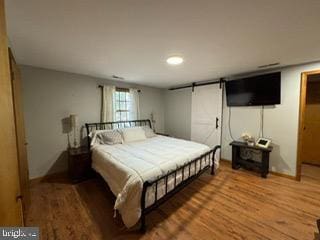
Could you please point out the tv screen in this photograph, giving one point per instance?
(254, 91)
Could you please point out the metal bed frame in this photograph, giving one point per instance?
(177, 187)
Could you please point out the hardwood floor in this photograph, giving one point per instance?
(231, 205)
(310, 173)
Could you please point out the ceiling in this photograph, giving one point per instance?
(133, 39)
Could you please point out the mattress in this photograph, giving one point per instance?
(126, 166)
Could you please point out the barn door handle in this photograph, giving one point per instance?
(217, 123)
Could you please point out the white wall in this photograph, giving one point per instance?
(280, 122)
(178, 113)
(50, 96)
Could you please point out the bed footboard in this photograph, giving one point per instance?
(177, 186)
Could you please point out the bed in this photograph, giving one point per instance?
(144, 174)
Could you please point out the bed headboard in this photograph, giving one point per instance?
(114, 125)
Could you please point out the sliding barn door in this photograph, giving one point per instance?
(206, 115)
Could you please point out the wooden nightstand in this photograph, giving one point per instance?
(238, 162)
(79, 164)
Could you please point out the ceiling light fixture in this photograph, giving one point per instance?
(176, 60)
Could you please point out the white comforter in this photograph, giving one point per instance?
(126, 166)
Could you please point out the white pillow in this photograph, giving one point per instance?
(149, 132)
(105, 137)
(133, 134)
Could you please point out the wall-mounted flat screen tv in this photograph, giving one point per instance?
(254, 91)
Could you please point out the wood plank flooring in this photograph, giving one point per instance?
(311, 173)
(231, 205)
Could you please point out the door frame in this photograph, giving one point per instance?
(10, 202)
(302, 109)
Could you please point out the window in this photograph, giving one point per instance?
(121, 104)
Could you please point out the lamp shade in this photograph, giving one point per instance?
(74, 120)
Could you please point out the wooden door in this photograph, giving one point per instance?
(10, 203)
(20, 132)
(311, 131)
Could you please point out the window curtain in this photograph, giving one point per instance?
(107, 111)
(134, 108)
